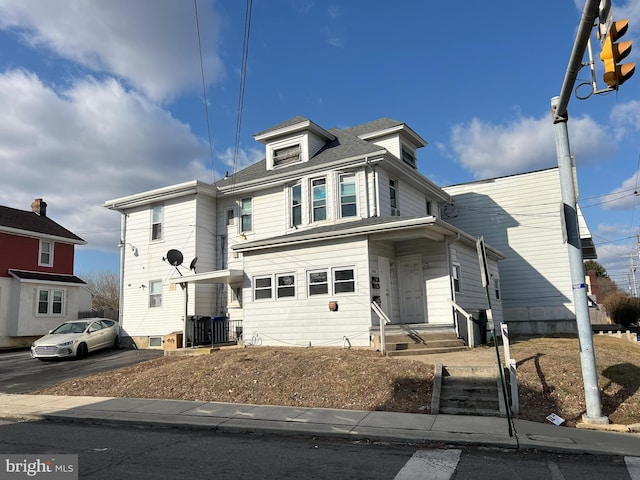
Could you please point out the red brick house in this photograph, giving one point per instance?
(38, 289)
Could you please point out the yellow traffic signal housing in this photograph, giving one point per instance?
(615, 74)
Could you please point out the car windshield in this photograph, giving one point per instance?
(75, 327)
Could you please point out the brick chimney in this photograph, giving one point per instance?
(40, 207)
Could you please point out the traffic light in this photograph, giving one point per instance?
(615, 73)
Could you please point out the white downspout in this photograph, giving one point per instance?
(376, 200)
(122, 245)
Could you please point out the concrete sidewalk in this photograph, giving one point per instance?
(344, 424)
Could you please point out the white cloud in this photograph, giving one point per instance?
(92, 142)
(489, 150)
(152, 44)
(623, 197)
(625, 117)
(246, 157)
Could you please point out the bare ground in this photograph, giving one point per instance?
(549, 378)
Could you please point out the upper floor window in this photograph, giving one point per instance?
(262, 288)
(296, 205)
(157, 213)
(285, 285)
(286, 155)
(155, 293)
(231, 217)
(348, 205)
(50, 302)
(408, 157)
(393, 196)
(45, 255)
(319, 195)
(429, 207)
(246, 214)
(496, 286)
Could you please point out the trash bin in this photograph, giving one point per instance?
(219, 330)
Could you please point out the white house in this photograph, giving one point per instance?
(520, 216)
(297, 246)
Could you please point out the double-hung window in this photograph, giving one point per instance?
(344, 280)
(246, 214)
(45, 255)
(455, 273)
(348, 204)
(393, 196)
(285, 285)
(50, 302)
(318, 282)
(319, 196)
(262, 288)
(296, 205)
(157, 213)
(155, 293)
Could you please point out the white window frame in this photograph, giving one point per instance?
(456, 277)
(496, 286)
(284, 287)
(257, 289)
(429, 207)
(155, 294)
(315, 284)
(336, 282)
(341, 182)
(293, 206)
(393, 196)
(274, 147)
(44, 244)
(230, 216)
(244, 215)
(408, 156)
(157, 236)
(50, 301)
(313, 205)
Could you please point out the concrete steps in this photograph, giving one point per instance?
(467, 391)
(422, 343)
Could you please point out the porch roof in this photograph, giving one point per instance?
(214, 276)
(392, 227)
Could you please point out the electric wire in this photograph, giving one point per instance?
(204, 91)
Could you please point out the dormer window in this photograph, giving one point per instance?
(408, 157)
(286, 155)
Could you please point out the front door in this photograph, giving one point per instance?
(411, 284)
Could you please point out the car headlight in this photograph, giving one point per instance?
(67, 344)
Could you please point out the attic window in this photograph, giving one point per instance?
(408, 157)
(286, 155)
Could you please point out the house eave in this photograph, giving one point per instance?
(214, 276)
(161, 194)
(44, 236)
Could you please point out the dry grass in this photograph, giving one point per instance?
(549, 378)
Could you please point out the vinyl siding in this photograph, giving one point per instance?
(520, 216)
(305, 319)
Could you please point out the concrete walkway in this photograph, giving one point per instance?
(345, 424)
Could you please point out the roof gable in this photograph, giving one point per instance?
(12, 219)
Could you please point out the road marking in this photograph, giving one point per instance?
(633, 467)
(556, 474)
(431, 465)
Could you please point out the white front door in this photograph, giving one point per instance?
(411, 284)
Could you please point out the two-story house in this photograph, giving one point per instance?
(299, 245)
(38, 289)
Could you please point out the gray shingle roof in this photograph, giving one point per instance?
(287, 123)
(32, 222)
(373, 126)
(47, 277)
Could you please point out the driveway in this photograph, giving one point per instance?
(19, 373)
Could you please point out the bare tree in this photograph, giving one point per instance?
(105, 287)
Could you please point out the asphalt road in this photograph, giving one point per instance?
(19, 373)
(114, 452)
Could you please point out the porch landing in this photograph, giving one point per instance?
(418, 339)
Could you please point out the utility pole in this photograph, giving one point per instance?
(565, 167)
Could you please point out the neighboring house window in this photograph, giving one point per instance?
(50, 302)
(231, 217)
(156, 222)
(45, 257)
(408, 157)
(246, 206)
(318, 283)
(348, 205)
(262, 288)
(393, 197)
(319, 195)
(285, 285)
(429, 206)
(344, 280)
(155, 293)
(455, 271)
(496, 286)
(296, 205)
(286, 155)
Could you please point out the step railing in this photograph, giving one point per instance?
(383, 320)
(470, 335)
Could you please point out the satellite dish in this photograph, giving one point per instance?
(174, 257)
(192, 265)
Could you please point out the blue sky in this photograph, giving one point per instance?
(104, 99)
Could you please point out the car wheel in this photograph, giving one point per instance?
(116, 343)
(81, 352)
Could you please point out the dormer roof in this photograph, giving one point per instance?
(383, 127)
(290, 127)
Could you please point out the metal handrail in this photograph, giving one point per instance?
(470, 335)
(382, 317)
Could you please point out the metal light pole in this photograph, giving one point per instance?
(565, 168)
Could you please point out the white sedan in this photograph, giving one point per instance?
(76, 338)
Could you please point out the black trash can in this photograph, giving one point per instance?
(219, 330)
